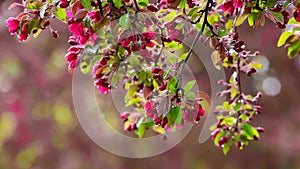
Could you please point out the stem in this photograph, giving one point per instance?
(238, 79)
(205, 11)
(136, 5)
(112, 6)
(188, 56)
(100, 8)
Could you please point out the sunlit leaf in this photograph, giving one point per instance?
(240, 19)
(283, 37)
(143, 3)
(294, 49)
(226, 147)
(172, 84)
(189, 85)
(87, 4)
(61, 14)
(215, 58)
(125, 22)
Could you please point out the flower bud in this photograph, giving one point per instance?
(164, 122)
(260, 129)
(215, 133)
(222, 141)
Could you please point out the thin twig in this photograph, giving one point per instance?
(205, 11)
(100, 8)
(137, 6)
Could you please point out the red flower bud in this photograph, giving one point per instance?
(222, 141)
(215, 133)
(164, 122)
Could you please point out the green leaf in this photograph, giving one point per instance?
(182, 57)
(118, 3)
(174, 116)
(173, 45)
(114, 80)
(237, 107)
(140, 122)
(189, 85)
(248, 130)
(170, 16)
(234, 92)
(172, 85)
(179, 26)
(131, 91)
(142, 3)
(141, 130)
(155, 84)
(134, 62)
(283, 37)
(226, 106)
(193, 10)
(190, 96)
(213, 18)
(32, 25)
(229, 121)
(240, 19)
(218, 137)
(256, 65)
(134, 101)
(253, 17)
(271, 3)
(87, 4)
(293, 21)
(294, 49)
(286, 4)
(149, 123)
(278, 16)
(125, 22)
(226, 147)
(182, 4)
(85, 67)
(179, 117)
(61, 14)
(222, 32)
(145, 77)
(229, 24)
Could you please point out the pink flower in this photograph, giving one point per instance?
(77, 29)
(201, 111)
(231, 5)
(149, 34)
(13, 25)
(297, 15)
(73, 63)
(148, 106)
(74, 49)
(102, 85)
(94, 15)
(70, 56)
(124, 116)
(24, 34)
(150, 44)
(103, 89)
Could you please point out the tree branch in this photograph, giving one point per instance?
(100, 8)
(209, 5)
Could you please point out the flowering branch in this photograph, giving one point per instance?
(145, 74)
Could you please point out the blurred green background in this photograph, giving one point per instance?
(39, 128)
